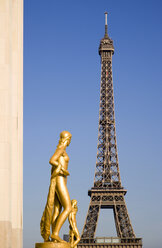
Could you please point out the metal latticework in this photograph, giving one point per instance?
(107, 170)
(107, 191)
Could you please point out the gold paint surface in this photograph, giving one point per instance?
(52, 245)
(59, 206)
(73, 232)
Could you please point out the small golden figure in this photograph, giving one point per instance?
(58, 195)
(73, 232)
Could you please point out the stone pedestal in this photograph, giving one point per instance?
(52, 245)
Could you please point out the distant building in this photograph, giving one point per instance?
(66, 237)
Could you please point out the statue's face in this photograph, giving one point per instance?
(68, 141)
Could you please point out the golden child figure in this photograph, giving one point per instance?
(73, 233)
(58, 195)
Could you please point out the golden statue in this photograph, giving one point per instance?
(73, 233)
(58, 195)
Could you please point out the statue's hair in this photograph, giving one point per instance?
(73, 201)
(64, 135)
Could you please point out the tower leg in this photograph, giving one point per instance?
(122, 221)
(91, 222)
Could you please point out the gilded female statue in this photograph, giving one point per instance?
(58, 196)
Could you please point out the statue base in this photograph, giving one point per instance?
(53, 245)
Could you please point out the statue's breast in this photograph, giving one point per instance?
(66, 157)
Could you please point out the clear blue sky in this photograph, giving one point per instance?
(61, 92)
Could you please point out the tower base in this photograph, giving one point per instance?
(111, 242)
(110, 245)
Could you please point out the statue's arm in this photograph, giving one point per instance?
(65, 172)
(55, 157)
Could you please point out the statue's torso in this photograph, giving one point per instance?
(64, 160)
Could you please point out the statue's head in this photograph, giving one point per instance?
(74, 204)
(65, 137)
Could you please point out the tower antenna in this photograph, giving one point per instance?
(106, 27)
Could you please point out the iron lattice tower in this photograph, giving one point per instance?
(107, 191)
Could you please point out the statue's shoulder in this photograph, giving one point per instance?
(60, 149)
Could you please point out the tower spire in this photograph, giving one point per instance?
(106, 33)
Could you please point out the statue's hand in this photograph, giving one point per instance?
(56, 171)
(65, 172)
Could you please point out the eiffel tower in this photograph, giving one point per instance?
(107, 191)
